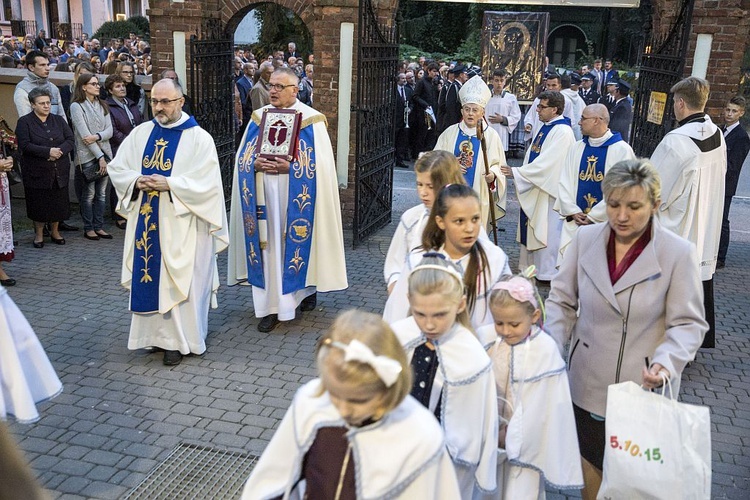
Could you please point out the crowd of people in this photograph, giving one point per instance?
(489, 390)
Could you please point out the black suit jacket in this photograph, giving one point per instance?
(591, 98)
(738, 146)
(426, 94)
(605, 100)
(35, 139)
(401, 105)
(452, 106)
(620, 118)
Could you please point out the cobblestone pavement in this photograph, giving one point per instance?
(122, 412)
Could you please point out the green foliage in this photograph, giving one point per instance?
(144, 28)
(279, 26)
(116, 29)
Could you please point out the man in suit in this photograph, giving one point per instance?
(404, 95)
(291, 51)
(621, 113)
(610, 73)
(425, 98)
(738, 146)
(599, 77)
(608, 98)
(452, 102)
(244, 85)
(587, 91)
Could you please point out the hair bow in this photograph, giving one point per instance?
(388, 369)
(519, 288)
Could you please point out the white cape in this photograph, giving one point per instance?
(468, 411)
(401, 456)
(541, 434)
(408, 237)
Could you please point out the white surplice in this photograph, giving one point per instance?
(327, 267)
(465, 387)
(532, 117)
(401, 456)
(537, 184)
(495, 158)
(506, 105)
(6, 221)
(192, 230)
(566, 202)
(692, 189)
(26, 374)
(534, 398)
(397, 305)
(576, 109)
(406, 238)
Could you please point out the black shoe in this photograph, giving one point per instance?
(309, 302)
(66, 227)
(45, 231)
(92, 238)
(172, 358)
(38, 244)
(103, 235)
(56, 241)
(268, 323)
(8, 282)
(721, 264)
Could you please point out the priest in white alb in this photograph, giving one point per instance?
(580, 200)
(166, 174)
(461, 140)
(692, 163)
(285, 222)
(537, 182)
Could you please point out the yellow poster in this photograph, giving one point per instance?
(656, 103)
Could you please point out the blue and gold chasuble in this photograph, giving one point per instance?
(466, 152)
(158, 158)
(299, 215)
(536, 149)
(591, 172)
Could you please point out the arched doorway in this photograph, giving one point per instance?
(268, 27)
(564, 44)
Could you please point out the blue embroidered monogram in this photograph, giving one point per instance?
(158, 158)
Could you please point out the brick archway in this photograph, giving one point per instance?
(233, 11)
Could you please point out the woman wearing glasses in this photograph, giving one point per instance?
(93, 130)
(134, 91)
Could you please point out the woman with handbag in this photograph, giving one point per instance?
(93, 130)
(628, 299)
(45, 141)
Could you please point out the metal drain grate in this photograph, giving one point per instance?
(192, 471)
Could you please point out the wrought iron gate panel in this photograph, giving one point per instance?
(212, 93)
(377, 59)
(662, 64)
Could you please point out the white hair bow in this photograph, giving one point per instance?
(387, 369)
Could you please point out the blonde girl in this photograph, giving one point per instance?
(355, 432)
(537, 426)
(453, 229)
(434, 170)
(452, 372)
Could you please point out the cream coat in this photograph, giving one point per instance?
(654, 311)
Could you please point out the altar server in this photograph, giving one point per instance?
(502, 110)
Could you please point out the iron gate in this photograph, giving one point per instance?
(212, 93)
(377, 60)
(662, 64)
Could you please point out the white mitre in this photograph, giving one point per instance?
(475, 91)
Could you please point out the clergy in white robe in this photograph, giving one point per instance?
(537, 182)
(580, 199)
(166, 174)
(502, 110)
(692, 163)
(401, 456)
(315, 228)
(535, 405)
(26, 374)
(464, 397)
(397, 305)
(531, 121)
(461, 140)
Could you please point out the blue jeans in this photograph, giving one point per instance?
(92, 198)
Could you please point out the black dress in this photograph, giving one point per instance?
(45, 182)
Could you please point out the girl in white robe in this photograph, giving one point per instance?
(452, 372)
(26, 374)
(454, 229)
(434, 170)
(537, 426)
(355, 432)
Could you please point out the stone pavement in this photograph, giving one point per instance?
(122, 412)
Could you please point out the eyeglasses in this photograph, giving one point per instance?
(472, 110)
(589, 118)
(278, 87)
(94, 83)
(542, 106)
(163, 102)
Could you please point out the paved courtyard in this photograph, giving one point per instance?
(122, 412)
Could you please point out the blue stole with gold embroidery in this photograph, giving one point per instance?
(299, 215)
(591, 172)
(158, 158)
(466, 152)
(536, 149)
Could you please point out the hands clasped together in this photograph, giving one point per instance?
(272, 166)
(153, 182)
